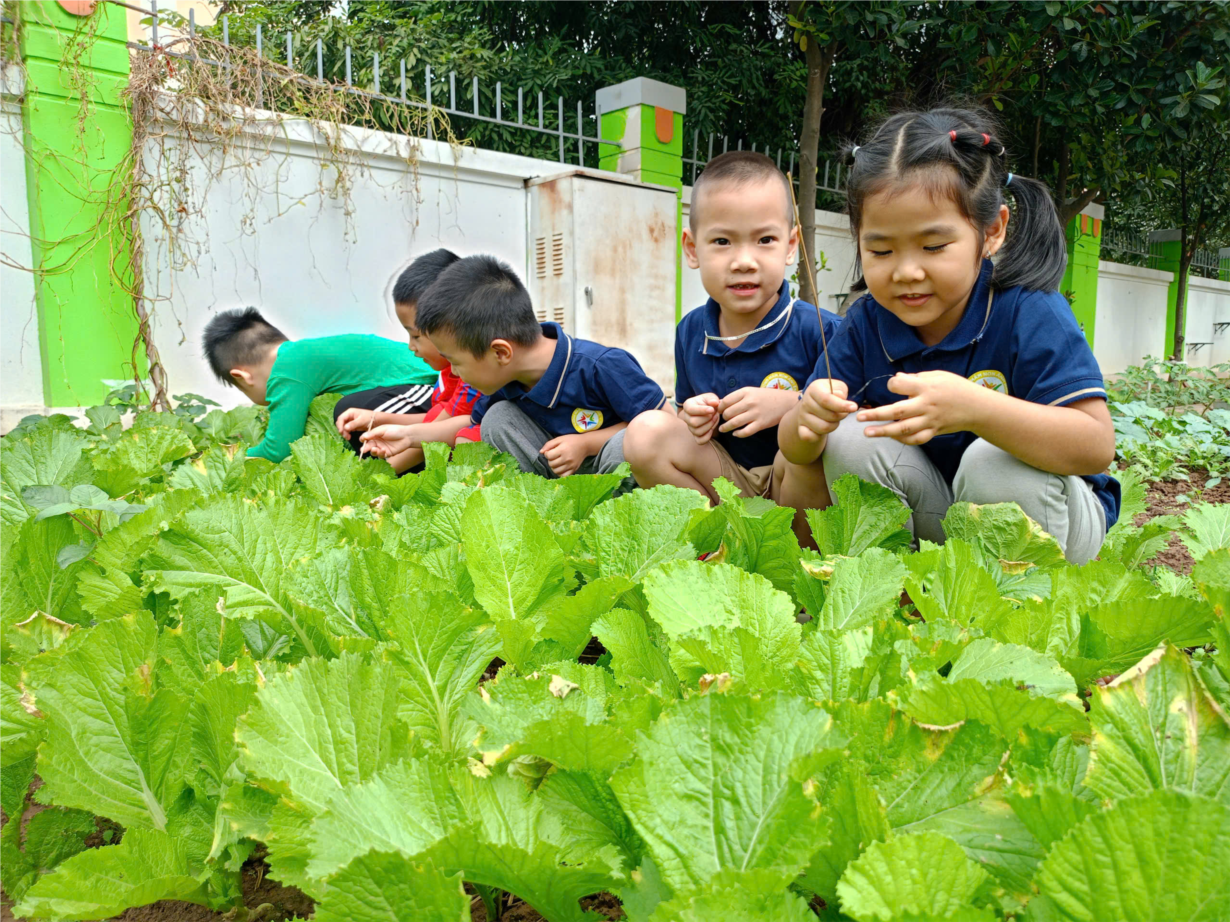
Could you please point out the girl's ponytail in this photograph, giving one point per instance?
(958, 152)
(1035, 254)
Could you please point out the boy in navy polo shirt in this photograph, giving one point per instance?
(559, 405)
(968, 380)
(740, 358)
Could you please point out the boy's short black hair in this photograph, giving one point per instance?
(739, 168)
(417, 277)
(238, 337)
(478, 299)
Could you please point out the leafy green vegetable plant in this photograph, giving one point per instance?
(383, 684)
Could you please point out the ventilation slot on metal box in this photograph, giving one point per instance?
(540, 256)
(557, 254)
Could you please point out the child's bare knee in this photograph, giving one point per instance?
(643, 440)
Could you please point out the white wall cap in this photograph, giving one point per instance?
(1164, 236)
(1098, 212)
(601, 176)
(642, 91)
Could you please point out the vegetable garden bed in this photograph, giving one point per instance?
(276, 671)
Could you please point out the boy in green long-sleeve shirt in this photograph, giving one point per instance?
(245, 350)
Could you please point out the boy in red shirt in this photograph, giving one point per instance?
(399, 437)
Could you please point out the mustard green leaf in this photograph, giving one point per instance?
(1152, 858)
(863, 515)
(110, 733)
(924, 873)
(388, 887)
(710, 787)
(145, 867)
(1003, 532)
(634, 533)
(322, 726)
(1156, 727)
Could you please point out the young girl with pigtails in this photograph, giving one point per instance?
(961, 375)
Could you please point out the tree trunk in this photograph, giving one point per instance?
(819, 60)
(1187, 252)
(1061, 180)
(1180, 303)
(1037, 144)
(1069, 210)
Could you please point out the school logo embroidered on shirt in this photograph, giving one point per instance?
(780, 381)
(989, 378)
(586, 420)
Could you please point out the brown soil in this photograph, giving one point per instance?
(258, 889)
(603, 903)
(1162, 499)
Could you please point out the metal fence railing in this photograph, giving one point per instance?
(576, 130)
(1133, 249)
(831, 181)
(1208, 264)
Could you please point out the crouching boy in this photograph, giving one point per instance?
(557, 404)
(741, 357)
(248, 352)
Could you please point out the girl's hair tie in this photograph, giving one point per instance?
(854, 150)
(1008, 181)
(986, 139)
(952, 136)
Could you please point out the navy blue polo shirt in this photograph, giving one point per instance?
(780, 353)
(586, 387)
(1023, 343)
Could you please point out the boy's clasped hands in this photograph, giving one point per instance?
(937, 403)
(743, 412)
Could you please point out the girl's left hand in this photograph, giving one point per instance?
(938, 402)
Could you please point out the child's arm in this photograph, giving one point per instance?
(564, 453)
(357, 419)
(748, 410)
(390, 440)
(289, 404)
(802, 432)
(1075, 439)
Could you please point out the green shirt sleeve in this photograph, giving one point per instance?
(290, 400)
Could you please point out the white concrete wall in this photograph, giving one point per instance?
(1131, 315)
(1208, 303)
(21, 367)
(832, 240)
(318, 263)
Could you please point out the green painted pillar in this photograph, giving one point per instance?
(73, 146)
(1080, 279)
(1168, 249)
(642, 121)
(1223, 264)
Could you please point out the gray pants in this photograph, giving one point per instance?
(507, 428)
(1065, 506)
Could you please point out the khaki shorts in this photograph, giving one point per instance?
(751, 481)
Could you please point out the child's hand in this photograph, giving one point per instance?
(823, 406)
(751, 409)
(939, 403)
(389, 440)
(564, 454)
(701, 414)
(354, 420)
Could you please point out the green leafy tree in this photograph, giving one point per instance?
(1195, 185)
(873, 33)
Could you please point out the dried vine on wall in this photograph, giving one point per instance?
(196, 101)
